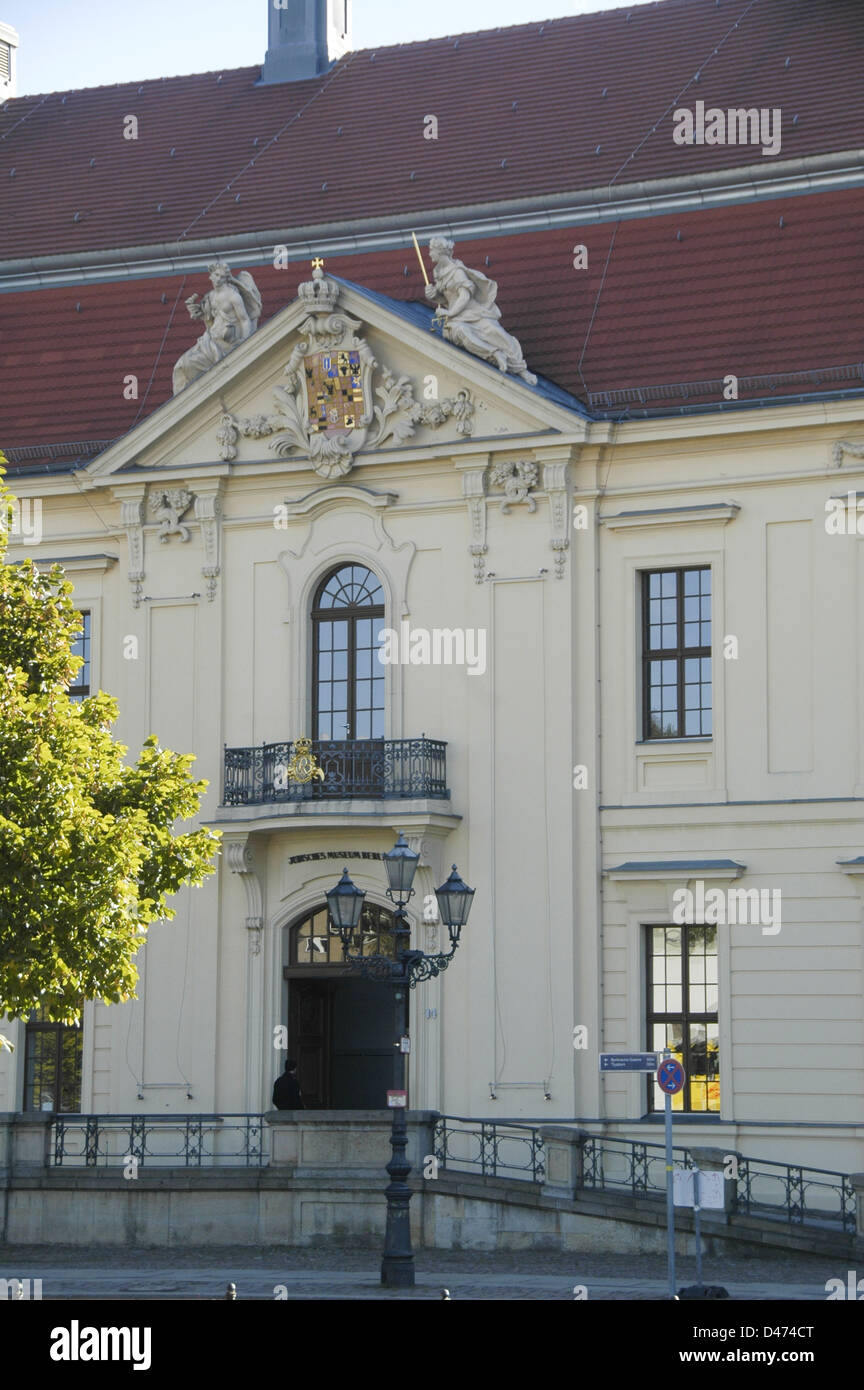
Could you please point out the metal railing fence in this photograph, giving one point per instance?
(187, 1141)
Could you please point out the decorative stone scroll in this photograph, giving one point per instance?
(208, 514)
(167, 505)
(555, 483)
(240, 861)
(474, 492)
(516, 480)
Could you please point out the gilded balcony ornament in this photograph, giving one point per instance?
(303, 766)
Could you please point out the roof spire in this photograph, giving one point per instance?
(305, 38)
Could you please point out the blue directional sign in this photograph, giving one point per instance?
(670, 1076)
(628, 1061)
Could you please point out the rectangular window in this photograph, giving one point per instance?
(676, 653)
(81, 647)
(52, 1065)
(682, 1013)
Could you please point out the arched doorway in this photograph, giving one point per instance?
(340, 1025)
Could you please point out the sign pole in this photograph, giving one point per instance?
(670, 1078)
(696, 1210)
(670, 1200)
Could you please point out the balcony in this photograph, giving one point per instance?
(381, 769)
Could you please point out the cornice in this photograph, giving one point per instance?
(705, 513)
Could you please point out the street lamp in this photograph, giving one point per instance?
(403, 970)
(346, 905)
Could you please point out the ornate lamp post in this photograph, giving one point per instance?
(403, 970)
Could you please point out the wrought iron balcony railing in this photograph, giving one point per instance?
(380, 768)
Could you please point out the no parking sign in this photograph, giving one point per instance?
(670, 1076)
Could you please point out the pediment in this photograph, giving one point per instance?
(331, 381)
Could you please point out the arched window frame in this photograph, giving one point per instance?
(326, 952)
(330, 514)
(352, 614)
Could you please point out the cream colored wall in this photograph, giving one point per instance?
(785, 756)
(550, 944)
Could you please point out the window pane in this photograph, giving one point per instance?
(80, 686)
(664, 633)
(52, 1070)
(692, 1031)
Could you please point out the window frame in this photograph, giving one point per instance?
(376, 921)
(679, 654)
(37, 1025)
(685, 1017)
(350, 614)
(81, 690)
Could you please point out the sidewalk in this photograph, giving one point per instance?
(319, 1275)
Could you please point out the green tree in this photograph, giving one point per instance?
(88, 849)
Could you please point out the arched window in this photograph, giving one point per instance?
(313, 944)
(348, 682)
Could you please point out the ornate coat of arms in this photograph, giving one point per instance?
(335, 399)
(334, 390)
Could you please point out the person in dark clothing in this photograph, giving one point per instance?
(286, 1090)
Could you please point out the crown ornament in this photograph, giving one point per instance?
(320, 295)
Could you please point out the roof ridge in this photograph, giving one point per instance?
(538, 24)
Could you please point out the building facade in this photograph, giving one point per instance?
(598, 647)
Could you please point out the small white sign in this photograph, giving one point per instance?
(711, 1189)
(405, 1044)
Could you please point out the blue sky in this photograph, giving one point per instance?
(96, 42)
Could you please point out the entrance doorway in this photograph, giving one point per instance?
(340, 1025)
(341, 1032)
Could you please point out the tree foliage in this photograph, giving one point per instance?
(88, 849)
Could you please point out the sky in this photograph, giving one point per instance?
(93, 43)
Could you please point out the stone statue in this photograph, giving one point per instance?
(469, 314)
(230, 310)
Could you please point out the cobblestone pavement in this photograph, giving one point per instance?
(335, 1273)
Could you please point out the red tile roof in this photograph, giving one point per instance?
(737, 293)
(526, 111)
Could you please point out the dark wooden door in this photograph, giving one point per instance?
(341, 1033)
(309, 1039)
